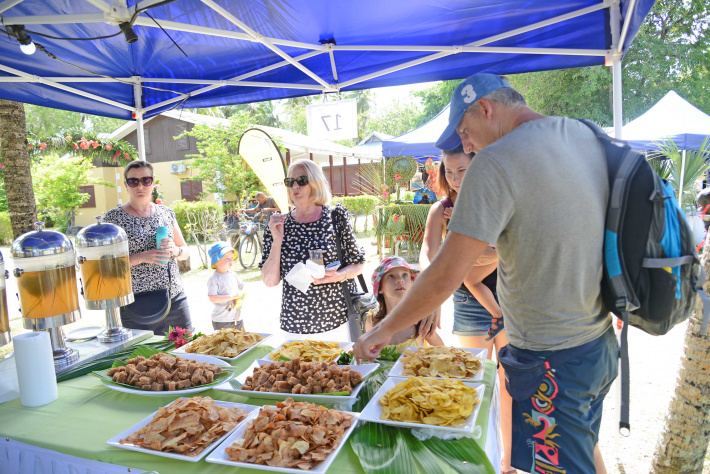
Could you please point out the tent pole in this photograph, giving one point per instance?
(140, 137)
(617, 96)
(682, 181)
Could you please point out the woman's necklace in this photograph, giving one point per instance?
(150, 213)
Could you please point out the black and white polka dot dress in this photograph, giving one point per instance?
(323, 308)
(141, 233)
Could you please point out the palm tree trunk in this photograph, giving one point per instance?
(684, 443)
(16, 167)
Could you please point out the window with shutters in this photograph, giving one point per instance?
(191, 190)
(92, 198)
(182, 142)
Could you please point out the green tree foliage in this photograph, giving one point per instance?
(670, 52)
(46, 122)
(434, 99)
(56, 184)
(399, 118)
(218, 164)
(260, 113)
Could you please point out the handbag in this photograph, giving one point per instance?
(359, 303)
(151, 307)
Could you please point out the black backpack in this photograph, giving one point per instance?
(653, 286)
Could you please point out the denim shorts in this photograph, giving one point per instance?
(470, 317)
(557, 428)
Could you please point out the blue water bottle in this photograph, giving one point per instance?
(161, 234)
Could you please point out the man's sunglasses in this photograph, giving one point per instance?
(145, 181)
(301, 180)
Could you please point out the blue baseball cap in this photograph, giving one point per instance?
(470, 90)
(219, 250)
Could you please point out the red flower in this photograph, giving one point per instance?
(395, 218)
(109, 147)
(0, 165)
(84, 145)
(95, 144)
(159, 201)
(75, 145)
(115, 155)
(127, 156)
(42, 146)
(29, 147)
(67, 138)
(180, 342)
(397, 177)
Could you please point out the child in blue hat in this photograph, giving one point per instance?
(224, 288)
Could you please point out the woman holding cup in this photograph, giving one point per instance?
(313, 225)
(145, 223)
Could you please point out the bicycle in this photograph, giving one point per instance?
(251, 242)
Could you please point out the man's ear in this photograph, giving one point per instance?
(485, 108)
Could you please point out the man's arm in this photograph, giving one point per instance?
(431, 288)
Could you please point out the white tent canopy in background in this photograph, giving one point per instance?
(671, 117)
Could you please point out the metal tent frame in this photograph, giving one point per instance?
(110, 14)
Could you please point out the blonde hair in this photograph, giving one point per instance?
(320, 189)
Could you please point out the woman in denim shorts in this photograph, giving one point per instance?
(471, 320)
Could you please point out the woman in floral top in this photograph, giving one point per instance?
(320, 313)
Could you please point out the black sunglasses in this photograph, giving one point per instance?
(301, 180)
(145, 181)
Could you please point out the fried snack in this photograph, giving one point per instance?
(309, 351)
(440, 361)
(430, 401)
(186, 426)
(229, 342)
(295, 376)
(291, 435)
(164, 372)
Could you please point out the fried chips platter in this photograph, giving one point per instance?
(464, 364)
(186, 429)
(289, 437)
(310, 351)
(227, 344)
(448, 404)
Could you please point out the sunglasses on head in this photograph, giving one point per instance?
(301, 181)
(145, 181)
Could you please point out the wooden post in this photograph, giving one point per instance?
(359, 176)
(345, 176)
(310, 155)
(332, 185)
(288, 157)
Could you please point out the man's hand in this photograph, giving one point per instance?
(370, 344)
(430, 324)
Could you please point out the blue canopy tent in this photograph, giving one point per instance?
(135, 59)
(420, 141)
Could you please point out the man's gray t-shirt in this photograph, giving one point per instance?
(224, 284)
(539, 194)
(270, 203)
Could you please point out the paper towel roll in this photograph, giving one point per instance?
(35, 368)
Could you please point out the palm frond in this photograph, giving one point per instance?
(668, 163)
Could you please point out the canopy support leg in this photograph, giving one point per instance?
(140, 136)
(682, 181)
(617, 96)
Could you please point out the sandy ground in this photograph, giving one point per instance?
(654, 360)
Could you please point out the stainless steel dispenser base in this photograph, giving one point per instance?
(5, 338)
(113, 332)
(63, 356)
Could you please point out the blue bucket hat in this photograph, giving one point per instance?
(219, 250)
(470, 90)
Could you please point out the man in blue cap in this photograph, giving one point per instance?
(537, 189)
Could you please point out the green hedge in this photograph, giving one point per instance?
(181, 207)
(5, 229)
(364, 204)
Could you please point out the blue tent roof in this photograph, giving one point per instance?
(247, 51)
(420, 141)
(671, 117)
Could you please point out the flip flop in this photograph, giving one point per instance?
(492, 333)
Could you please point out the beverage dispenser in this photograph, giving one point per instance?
(46, 281)
(5, 337)
(102, 250)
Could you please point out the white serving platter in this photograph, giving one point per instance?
(219, 456)
(398, 367)
(115, 441)
(373, 410)
(344, 346)
(176, 393)
(182, 350)
(364, 369)
(82, 334)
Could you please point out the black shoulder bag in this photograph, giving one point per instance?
(151, 307)
(359, 304)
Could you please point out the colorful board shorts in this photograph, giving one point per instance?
(555, 430)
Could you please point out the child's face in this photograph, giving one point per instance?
(396, 282)
(225, 263)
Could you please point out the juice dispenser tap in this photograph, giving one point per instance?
(102, 250)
